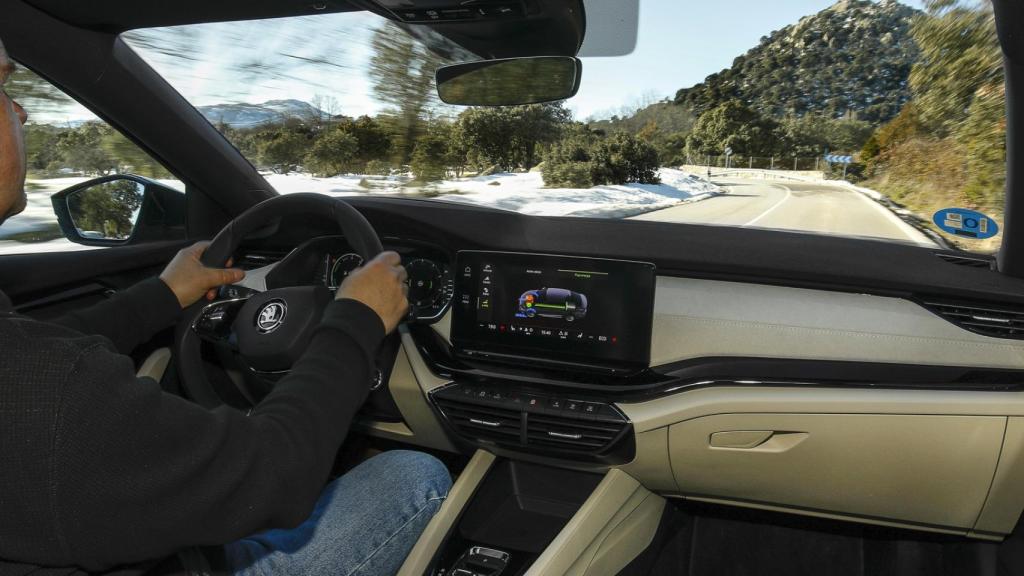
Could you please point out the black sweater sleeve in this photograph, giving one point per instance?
(130, 317)
(139, 474)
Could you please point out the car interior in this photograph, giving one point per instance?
(611, 396)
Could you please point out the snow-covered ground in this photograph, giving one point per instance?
(519, 192)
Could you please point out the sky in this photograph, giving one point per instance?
(679, 43)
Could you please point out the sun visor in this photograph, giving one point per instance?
(519, 28)
(611, 27)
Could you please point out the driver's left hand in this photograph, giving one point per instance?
(190, 280)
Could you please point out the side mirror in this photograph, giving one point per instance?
(510, 81)
(120, 210)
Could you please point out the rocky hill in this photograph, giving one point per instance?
(850, 60)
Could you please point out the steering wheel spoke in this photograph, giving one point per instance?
(214, 322)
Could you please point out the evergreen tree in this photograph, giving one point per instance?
(402, 72)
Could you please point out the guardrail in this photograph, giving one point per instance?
(798, 175)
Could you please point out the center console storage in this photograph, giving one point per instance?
(507, 518)
(518, 510)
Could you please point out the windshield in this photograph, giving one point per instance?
(859, 118)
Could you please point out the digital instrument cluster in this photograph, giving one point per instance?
(430, 279)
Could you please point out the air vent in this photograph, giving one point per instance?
(970, 261)
(482, 422)
(999, 321)
(537, 423)
(562, 433)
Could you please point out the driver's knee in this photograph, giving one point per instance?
(414, 474)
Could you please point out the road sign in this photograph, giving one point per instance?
(728, 151)
(838, 159)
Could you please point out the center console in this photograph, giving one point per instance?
(510, 518)
(537, 344)
(540, 348)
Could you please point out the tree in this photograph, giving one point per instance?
(281, 150)
(107, 208)
(430, 157)
(402, 72)
(732, 125)
(584, 158)
(373, 142)
(82, 150)
(332, 152)
(510, 136)
(960, 55)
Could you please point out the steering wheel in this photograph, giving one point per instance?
(265, 330)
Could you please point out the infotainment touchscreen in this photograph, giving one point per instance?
(532, 306)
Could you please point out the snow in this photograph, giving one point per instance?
(525, 193)
(519, 192)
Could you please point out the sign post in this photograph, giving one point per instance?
(844, 160)
(728, 157)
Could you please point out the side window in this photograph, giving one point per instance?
(66, 147)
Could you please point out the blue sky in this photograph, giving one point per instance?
(680, 42)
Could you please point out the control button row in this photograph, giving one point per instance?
(581, 409)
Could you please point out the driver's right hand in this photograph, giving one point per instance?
(380, 284)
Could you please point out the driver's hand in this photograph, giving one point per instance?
(190, 280)
(380, 284)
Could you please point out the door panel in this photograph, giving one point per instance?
(40, 281)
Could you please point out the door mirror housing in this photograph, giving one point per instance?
(120, 210)
(510, 81)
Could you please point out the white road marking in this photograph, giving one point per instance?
(789, 194)
(909, 231)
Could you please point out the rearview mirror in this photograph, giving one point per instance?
(510, 81)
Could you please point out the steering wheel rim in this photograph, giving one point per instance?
(353, 225)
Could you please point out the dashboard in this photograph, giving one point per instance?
(504, 352)
(823, 359)
(331, 259)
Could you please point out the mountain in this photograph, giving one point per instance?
(665, 116)
(852, 60)
(241, 115)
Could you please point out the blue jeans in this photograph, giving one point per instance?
(364, 524)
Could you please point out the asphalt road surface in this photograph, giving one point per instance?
(784, 205)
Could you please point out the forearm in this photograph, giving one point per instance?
(203, 477)
(129, 317)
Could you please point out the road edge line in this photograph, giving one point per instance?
(789, 194)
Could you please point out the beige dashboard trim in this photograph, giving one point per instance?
(700, 402)
(155, 365)
(410, 381)
(615, 524)
(707, 318)
(459, 496)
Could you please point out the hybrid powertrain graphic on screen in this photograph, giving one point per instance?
(552, 303)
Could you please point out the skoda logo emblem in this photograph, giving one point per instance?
(271, 316)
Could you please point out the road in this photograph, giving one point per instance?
(810, 207)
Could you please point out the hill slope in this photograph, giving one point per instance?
(852, 59)
(242, 115)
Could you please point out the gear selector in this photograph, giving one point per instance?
(480, 561)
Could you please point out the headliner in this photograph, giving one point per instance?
(119, 15)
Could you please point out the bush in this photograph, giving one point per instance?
(585, 159)
(332, 153)
(378, 167)
(430, 158)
